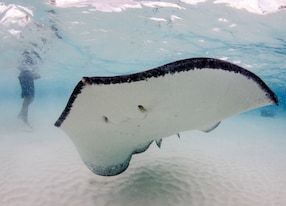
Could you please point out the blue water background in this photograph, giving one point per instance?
(76, 42)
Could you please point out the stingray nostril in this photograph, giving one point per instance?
(105, 119)
(141, 108)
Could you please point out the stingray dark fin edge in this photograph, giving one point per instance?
(170, 68)
(68, 107)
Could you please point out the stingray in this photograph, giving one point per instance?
(110, 118)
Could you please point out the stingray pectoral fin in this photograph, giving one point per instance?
(111, 168)
(142, 148)
(104, 158)
(210, 128)
(108, 170)
(110, 118)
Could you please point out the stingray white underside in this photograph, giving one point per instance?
(110, 122)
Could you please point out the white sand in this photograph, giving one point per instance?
(242, 162)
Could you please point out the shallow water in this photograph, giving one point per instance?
(242, 162)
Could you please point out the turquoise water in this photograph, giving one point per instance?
(74, 42)
(239, 163)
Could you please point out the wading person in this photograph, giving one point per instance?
(26, 78)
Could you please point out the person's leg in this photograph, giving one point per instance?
(24, 110)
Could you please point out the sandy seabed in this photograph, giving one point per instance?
(242, 162)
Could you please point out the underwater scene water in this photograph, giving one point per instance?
(242, 162)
